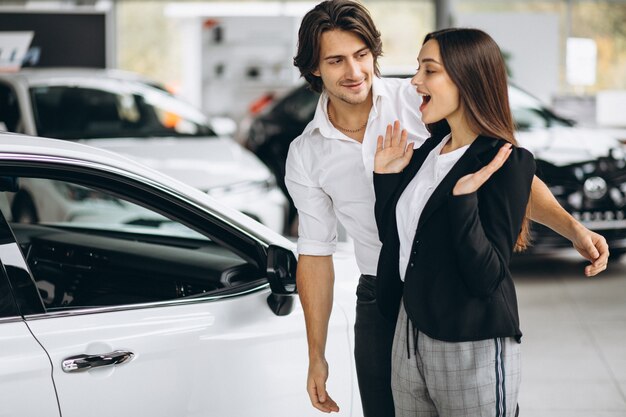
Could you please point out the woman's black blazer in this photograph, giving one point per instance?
(457, 285)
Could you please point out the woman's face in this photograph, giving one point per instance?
(440, 97)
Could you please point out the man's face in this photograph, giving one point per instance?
(346, 66)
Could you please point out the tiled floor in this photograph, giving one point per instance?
(574, 344)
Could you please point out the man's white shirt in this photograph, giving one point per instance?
(329, 175)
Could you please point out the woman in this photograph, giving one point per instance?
(451, 219)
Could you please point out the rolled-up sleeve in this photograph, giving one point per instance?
(317, 221)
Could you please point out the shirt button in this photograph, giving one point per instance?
(411, 265)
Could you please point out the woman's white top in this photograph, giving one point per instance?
(415, 196)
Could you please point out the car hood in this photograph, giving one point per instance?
(565, 146)
(203, 163)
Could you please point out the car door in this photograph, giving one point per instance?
(26, 385)
(150, 309)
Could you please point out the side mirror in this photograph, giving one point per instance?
(281, 270)
(281, 273)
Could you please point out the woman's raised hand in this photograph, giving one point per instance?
(472, 182)
(393, 153)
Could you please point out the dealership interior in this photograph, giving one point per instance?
(167, 126)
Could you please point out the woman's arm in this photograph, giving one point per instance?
(484, 239)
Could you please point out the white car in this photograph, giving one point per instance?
(124, 113)
(166, 304)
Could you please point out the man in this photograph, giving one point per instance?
(329, 176)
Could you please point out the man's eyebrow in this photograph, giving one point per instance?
(366, 48)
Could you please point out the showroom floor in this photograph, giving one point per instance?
(574, 344)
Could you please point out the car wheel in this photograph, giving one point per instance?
(24, 210)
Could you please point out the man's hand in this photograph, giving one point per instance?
(315, 278)
(393, 152)
(592, 247)
(316, 386)
(472, 182)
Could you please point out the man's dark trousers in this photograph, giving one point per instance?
(373, 338)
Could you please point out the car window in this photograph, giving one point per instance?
(87, 112)
(529, 113)
(10, 118)
(88, 248)
(8, 308)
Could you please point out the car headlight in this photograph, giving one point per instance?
(595, 188)
(575, 200)
(256, 135)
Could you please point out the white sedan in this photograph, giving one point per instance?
(166, 304)
(127, 114)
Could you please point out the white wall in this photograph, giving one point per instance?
(532, 40)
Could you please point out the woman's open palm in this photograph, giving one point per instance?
(393, 153)
(472, 182)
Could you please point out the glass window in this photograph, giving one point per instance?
(113, 110)
(88, 248)
(529, 113)
(7, 302)
(9, 110)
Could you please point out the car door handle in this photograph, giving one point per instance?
(80, 363)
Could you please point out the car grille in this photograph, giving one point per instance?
(601, 220)
(544, 239)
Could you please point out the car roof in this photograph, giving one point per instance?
(41, 75)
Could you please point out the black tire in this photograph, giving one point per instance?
(23, 209)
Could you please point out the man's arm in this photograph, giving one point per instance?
(317, 236)
(315, 278)
(547, 211)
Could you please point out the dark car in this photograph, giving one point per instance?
(269, 132)
(584, 168)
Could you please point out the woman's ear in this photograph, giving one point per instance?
(316, 72)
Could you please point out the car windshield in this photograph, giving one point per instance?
(113, 109)
(61, 203)
(529, 113)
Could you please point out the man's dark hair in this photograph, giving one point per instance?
(347, 15)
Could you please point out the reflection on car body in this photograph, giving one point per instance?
(123, 113)
(160, 300)
(584, 168)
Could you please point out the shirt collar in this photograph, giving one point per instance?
(320, 119)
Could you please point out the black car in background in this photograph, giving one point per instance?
(268, 132)
(584, 168)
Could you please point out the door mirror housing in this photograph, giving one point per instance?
(281, 274)
(281, 270)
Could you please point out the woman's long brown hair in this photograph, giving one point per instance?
(474, 62)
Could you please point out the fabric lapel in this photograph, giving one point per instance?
(469, 162)
(419, 156)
